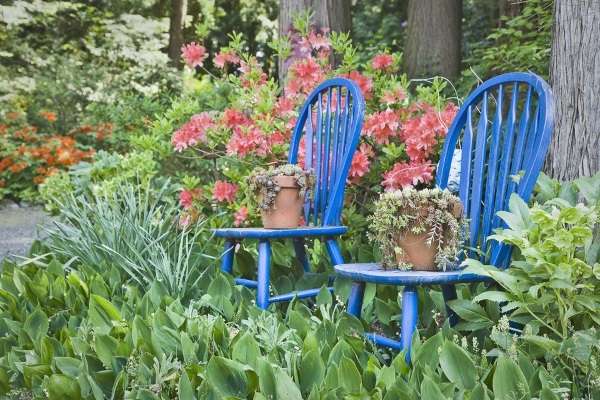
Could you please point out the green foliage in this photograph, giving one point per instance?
(132, 230)
(521, 43)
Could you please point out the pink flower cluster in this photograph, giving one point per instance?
(360, 162)
(224, 191)
(226, 57)
(382, 126)
(193, 54)
(192, 132)
(382, 62)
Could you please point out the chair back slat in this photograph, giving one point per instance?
(504, 155)
(337, 108)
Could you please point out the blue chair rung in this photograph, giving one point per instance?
(301, 294)
(381, 340)
(249, 283)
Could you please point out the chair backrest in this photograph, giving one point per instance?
(328, 131)
(502, 131)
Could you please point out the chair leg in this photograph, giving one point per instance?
(410, 315)
(449, 292)
(301, 254)
(334, 252)
(264, 270)
(355, 300)
(227, 256)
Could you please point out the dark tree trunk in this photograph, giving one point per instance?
(177, 16)
(508, 8)
(331, 14)
(575, 80)
(433, 45)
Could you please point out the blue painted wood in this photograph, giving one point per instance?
(246, 282)
(410, 316)
(374, 273)
(331, 133)
(227, 256)
(301, 294)
(384, 341)
(355, 300)
(264, 271)
(492, 157)
(262, 233)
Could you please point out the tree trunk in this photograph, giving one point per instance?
(575, 80)
(433, 45)
(177, 17)
(508, 8)
(331, 14)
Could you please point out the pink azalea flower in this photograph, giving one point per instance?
(382, 125)
(360, 162)
(192, 132)
(403, 175)
(187, 197)
(224, 191)
(225, 57)
(305, 75)
(193, 54)
(319, 41)
(364, 83)
(233, 118)
(240, 216)
(382, 62)
(394, 96)
(246, 141)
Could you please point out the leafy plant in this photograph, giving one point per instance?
(135, 231)
(435, 213)
(262, 182)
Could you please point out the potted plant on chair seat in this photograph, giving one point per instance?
(280, 194)
(419, 230)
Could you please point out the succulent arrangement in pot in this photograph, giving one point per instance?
(420, 230)
(280, 192)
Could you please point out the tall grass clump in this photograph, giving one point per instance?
(135, 230)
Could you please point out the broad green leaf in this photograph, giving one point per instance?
(458, 366)
(428, 352)
(285, 387)
(36, 325)
(246, 350)
(68, 365)
(312, 370)
(324, 296)
(509, 383)
(61, 387)
(430, 390)
(348, 376)
(227, 377)
(106, 348)
(102, 313)
(186, 391)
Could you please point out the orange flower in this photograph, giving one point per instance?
(5, 163)
(39, 179)
(2, 183)
(18, 167)
(48, 116)
(12, 116)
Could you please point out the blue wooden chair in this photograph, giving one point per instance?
(330, 122)
(502, 132)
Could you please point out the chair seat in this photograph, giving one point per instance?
(262, 233)
(374, 273)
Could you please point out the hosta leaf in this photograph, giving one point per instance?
(509, 382)
(102, 313)
(348, 376)
(458, 366)
(285, 387)
(430, 390)
(62, 387)
(36, 325)
(245, 350)
(106, 348)
(312, 370)
(427, 353)
(186, 391)
(68, 365)
(228, 377)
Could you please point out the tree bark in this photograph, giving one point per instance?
(331, 14)
(508, 8)
(433, 45)
(177, 17)
(575, 80)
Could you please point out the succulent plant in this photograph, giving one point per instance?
(432, 211)
(261, 181)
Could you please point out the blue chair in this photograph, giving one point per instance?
(502, 132)
(330, 123)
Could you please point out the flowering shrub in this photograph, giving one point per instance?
(31, 153)
(400, 140)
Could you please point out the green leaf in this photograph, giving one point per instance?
(36, 325)
(430, 390)
(312, 370)
(246, 350)
(324, 297)
(68, 365)
(186, 391)
(106, 347)
(458, 366)
(285, 387)
(348, 376)
(62, 387)
(427, 353)
(227, 377)
(509, 382)
(102, 313)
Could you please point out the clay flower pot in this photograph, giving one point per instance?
(287, 209)
(415, 249)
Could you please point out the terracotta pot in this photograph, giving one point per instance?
(288, 207)
(417, 252)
